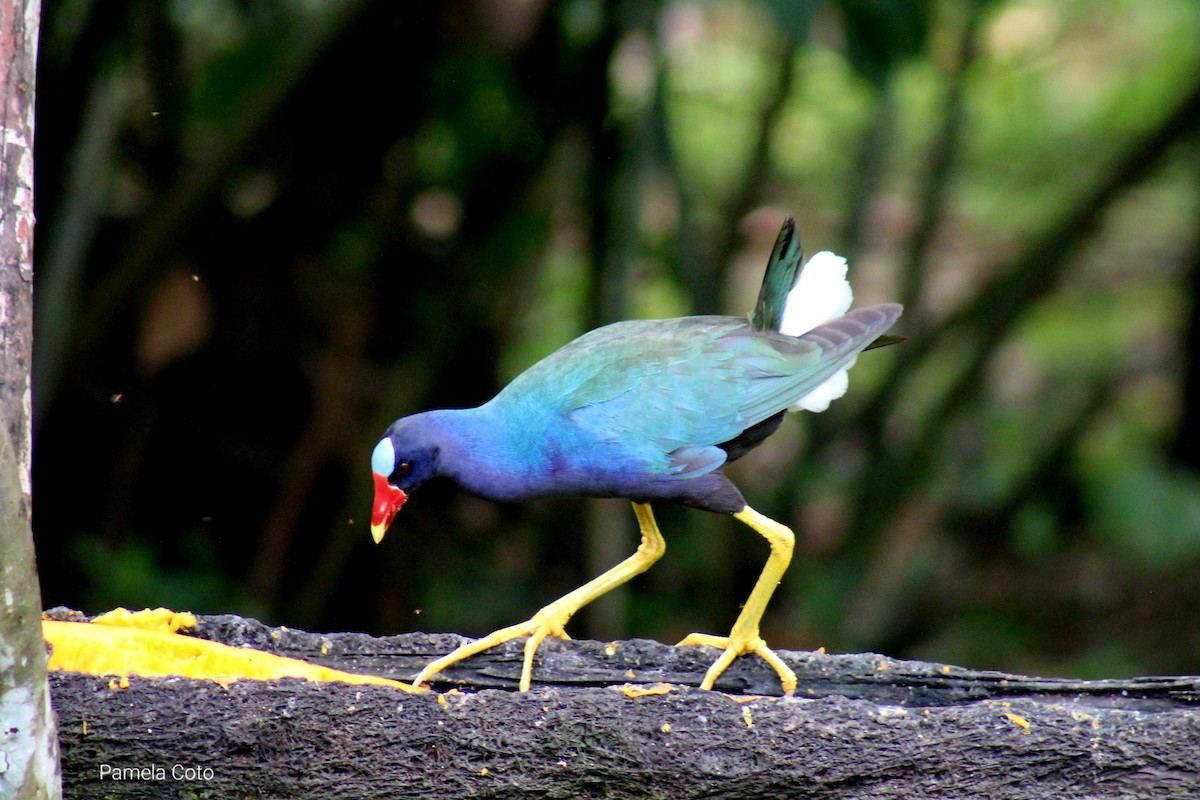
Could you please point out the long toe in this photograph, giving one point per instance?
(538, 628)
(787, 678)
(703, 640)
(733, 647)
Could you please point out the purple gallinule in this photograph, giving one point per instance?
(648, 410)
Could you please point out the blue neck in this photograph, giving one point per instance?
(487, 452)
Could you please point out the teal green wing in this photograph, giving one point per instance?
(671, 391)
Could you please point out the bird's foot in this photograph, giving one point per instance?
(734, 646)
(545, 623)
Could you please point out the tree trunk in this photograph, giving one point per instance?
(622, 720)
(28, 741)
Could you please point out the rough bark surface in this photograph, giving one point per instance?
(18, 53)
(863, 726)
(28, 743)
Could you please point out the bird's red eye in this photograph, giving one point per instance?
(403, 468)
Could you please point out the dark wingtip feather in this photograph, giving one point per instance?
(885, 341)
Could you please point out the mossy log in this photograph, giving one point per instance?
(621, 720)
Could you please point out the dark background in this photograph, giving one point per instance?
(266, 229)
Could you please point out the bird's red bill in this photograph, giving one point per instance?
(388, 500)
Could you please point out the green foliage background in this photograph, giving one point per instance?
(267, 228)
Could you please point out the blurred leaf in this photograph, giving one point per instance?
(794, 17)
(1035, 533)
(132, 575)
(880, 34)
(1145, 510)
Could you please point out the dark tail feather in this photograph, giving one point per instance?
(782, 271)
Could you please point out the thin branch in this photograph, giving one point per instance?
(868, 169)
(943, 153)
(1038, 269)
(710, 286)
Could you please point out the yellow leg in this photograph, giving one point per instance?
(550, 620)
(744, 637)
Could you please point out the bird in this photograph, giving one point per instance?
(649, 411)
